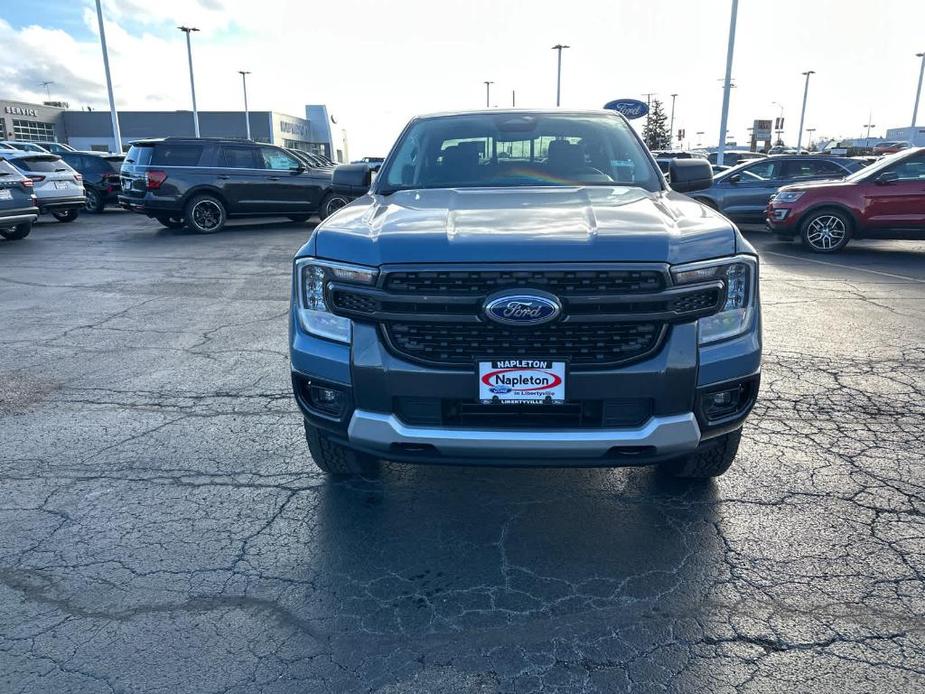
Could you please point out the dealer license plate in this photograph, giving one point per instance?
(6, 194)
(535, 381)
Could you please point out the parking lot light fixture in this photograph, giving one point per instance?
(192, 82)
(559, 47)
(868, 125)
(727, 83)
(918, 90)
(116, 134)
(671, 125)
(803, 112)
(247, 118)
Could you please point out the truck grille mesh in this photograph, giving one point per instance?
(559, 282)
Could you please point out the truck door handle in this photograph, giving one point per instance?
(274, 178)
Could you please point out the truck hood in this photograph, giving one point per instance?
(523, 224)
(813, 185)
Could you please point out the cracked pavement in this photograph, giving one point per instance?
(163, 529)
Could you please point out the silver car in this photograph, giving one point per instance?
(58, 188)
(22, 146)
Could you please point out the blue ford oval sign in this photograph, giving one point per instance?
(522, 309)
(631, 108)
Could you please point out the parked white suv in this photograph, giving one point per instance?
(58, 188)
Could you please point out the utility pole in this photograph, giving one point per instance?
(727, 83)
(247, 118)
(671, 126)
(192, 83)
(116, 133)
(488, 93)
(559, 47)
(47, 92)
(513, 99)
(803, 112)
(918, 90)
(869, 125)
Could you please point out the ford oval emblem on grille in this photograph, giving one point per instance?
(522, 309)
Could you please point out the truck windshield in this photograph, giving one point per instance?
(518, 149)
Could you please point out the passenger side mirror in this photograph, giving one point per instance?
(688, 175)
(297, 169)
(886, 178)
(351, 179)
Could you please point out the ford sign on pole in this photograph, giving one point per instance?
(631, 108)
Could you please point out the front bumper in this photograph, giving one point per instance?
(673, 383)
(782, 219)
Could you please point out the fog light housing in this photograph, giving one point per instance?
(326, 399)
(781, 215)
(722, 403)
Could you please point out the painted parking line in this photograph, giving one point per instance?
(843, 266)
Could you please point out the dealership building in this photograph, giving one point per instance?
(92, 130)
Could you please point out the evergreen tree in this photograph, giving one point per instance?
(655, 132)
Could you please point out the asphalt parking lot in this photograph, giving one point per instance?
(162, 528)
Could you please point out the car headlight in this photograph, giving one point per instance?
(740, 277)
(312, 277)
(788, 196)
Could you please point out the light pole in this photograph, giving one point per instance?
(671, 125)
(192, 83)
(247, 118)
(779, 126)
(803, 112)
(488, 93)
(868, 125)
(513, 98)
(918, 91)
(809, 145)
(558, 47)
(47, 92)
(699, 134)
(116, 134)
(727, 83)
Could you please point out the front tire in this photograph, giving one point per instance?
(67, 216)
(337, 460)
(94, 203)
(205, 214)
(20, 231)
(710, 460)
(331, 203)
(826, 231)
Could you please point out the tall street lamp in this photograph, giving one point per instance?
(488, 93)
(192, 83)
(809, 145)
(558, 47)
(116, 134)
(779, 129)
(918, 90)
(868, 125)
(803, 112)
(671, 126)
(727, 83)
(247, 118)
(47, 91)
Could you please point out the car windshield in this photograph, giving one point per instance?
(518, 149)
(878, 166)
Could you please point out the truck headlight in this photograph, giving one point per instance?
(740, 277)
(312, 277)
(788, 196)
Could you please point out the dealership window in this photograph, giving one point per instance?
(34, 130)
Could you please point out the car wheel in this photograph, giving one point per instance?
(20, 231)
(67, 216)
(205, 214)
(337, 460)
(711, 459)
(299, 218)
(171, 222)
(94, 202)
(332, 203)
(826, 231)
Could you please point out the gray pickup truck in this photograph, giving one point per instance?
(522, 288)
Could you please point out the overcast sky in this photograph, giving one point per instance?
(376, 63)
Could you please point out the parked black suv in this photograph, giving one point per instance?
(102, 183)
(201, 182)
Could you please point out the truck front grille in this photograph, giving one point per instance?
(582, 344)
(570, 281)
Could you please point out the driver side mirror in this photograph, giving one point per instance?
(688, 175)
(886, 178)
(298, 168)
(351, 179)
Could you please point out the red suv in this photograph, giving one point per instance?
(886, 200)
